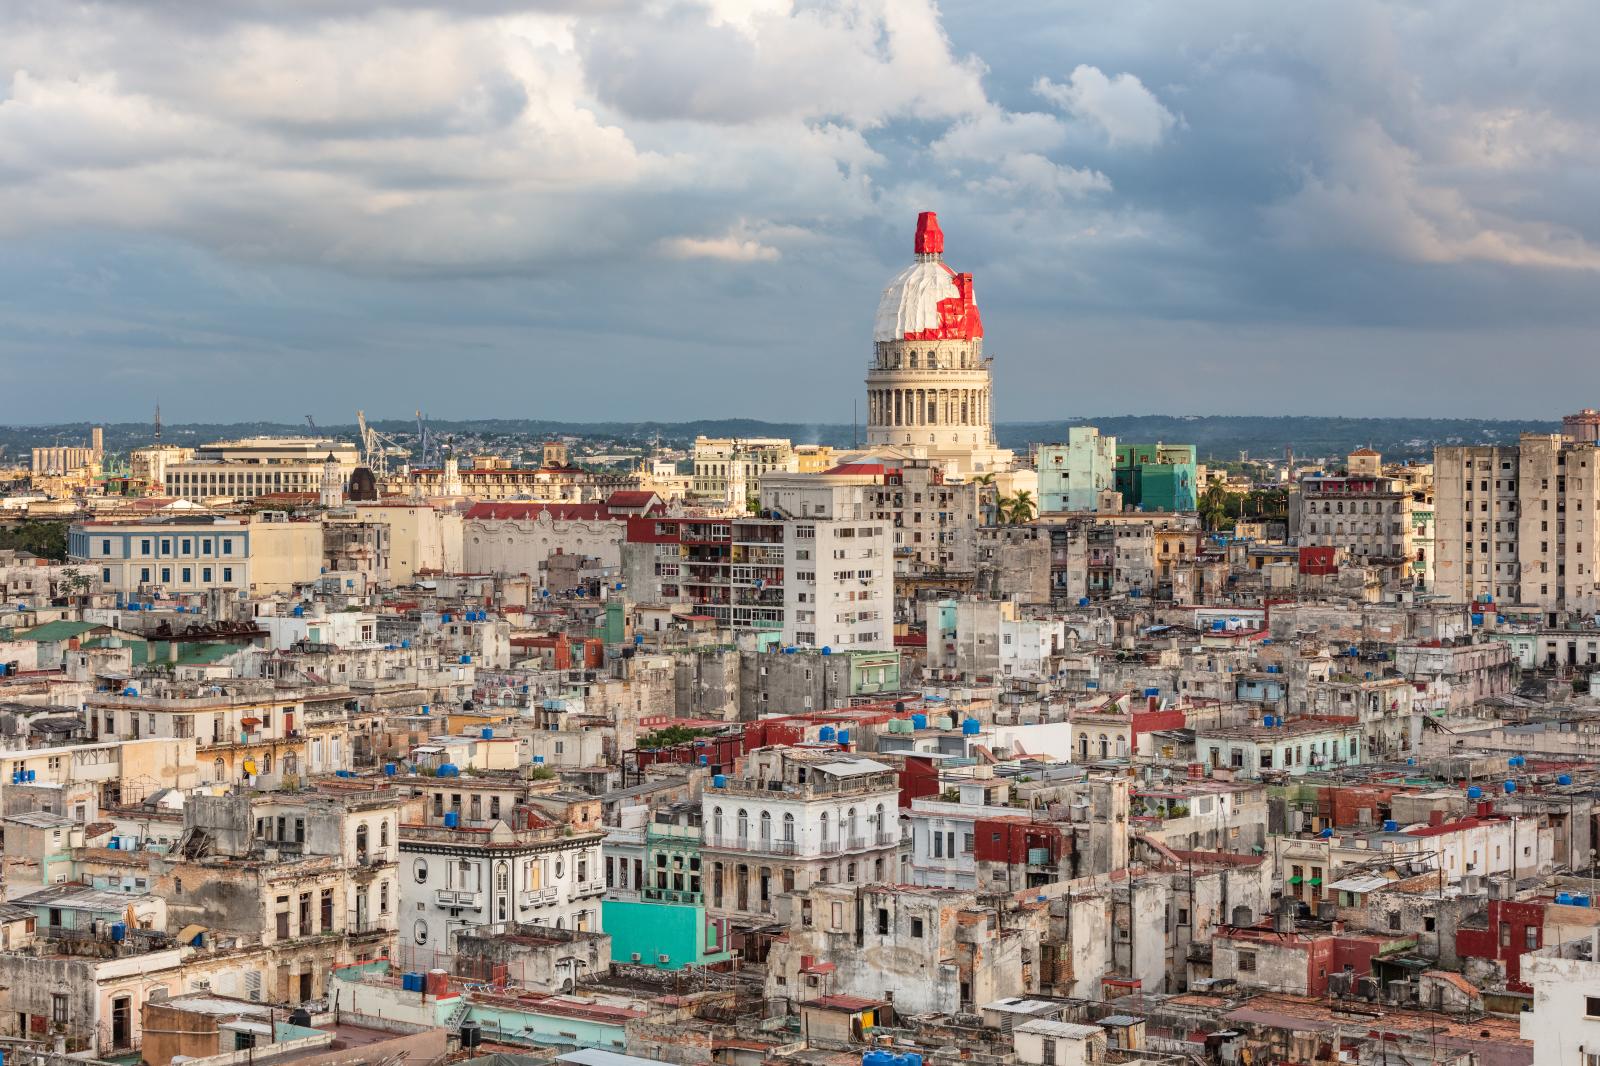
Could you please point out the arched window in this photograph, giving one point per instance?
(219, 769)
(716, 824)
(1083, 746)
(266, 763)
(291, 765)
(743, 826)
(419, 932)
(766, 828)
(502, 878)
(877, 820)
(824, 827)
(788, 828)
(913, 360)
(851, 831)
(361, 840)
(383, 834)
(1105, 746)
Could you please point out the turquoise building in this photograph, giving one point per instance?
(662, 920)
(1157, 477)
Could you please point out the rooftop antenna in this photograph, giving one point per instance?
(158, 420)
(855, 426)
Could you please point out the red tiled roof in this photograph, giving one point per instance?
(629, 498)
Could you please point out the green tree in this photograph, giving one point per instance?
(1021, 508)
(48, 540)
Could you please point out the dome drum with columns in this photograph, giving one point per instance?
(929, 386)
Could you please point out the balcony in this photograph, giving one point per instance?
(459, 897)
(886, 840)
(537, 897)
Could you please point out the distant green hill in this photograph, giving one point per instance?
(1215, 436)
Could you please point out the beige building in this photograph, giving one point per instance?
(421, 537)
(257, 466)
(728, 470)
(1516, 524)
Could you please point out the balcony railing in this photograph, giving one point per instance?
(458, 897)
(537, 897)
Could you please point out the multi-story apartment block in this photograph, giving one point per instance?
(479, 850)
(1367, 515)
(728, 470)
(1079, 475)
(245, 733)
(822, 578)
(1516, 524)
(797, 817)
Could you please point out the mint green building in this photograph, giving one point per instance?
(1157, 477)
(1074, 476)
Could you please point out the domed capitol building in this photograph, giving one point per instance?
(929, 386)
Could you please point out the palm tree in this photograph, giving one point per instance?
(1214, 506)
(1020, 508)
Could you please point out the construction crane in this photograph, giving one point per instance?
(426, 445)
(376, 446)
(312, 423)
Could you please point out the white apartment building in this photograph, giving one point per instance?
(798, 817)
(1516, 524)
(484, 871)
(1564, 1022)
(256, 466)
(838, 564)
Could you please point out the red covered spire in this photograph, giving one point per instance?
(930, 238)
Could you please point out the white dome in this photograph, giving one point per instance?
(910, 303)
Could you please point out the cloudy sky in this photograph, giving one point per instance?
(686, 208)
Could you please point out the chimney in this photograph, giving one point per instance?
(1435, 817)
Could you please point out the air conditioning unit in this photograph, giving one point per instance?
(663, 959)
(637, 957)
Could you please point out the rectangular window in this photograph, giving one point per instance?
(1247, 962)
(227, 573)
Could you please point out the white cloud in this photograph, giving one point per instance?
(1121, 107)
(730, 249)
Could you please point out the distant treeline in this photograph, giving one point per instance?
(1215, 436)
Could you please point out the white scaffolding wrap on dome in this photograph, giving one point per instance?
(910, 303)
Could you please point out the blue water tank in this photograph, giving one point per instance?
(1477, 619)
(451, 819)
(1511, 761)
(405, 643)
(1218, 626)
(488, 732)
(119, 931)
(444, 618)
(919, 721)
(825, 733)
(971, 727)
(911, 1058)
(705, 760)
(1510, 787)
(826, 650)
(1580, 899)
(1325, 834)
(538, 760)
(390, 769)
(424, 708)
(1272, 669)
(130, 691)
(719, 780)
(33, 775)
(449, 769)
(1564, 779)
(298, 612)
(1474, 793)
(1152, 692)
(1083, 601)
(116, 844)
(1269, 721)
(844, 736)
(1564, 898)
(1391, 826)
(466, 658)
